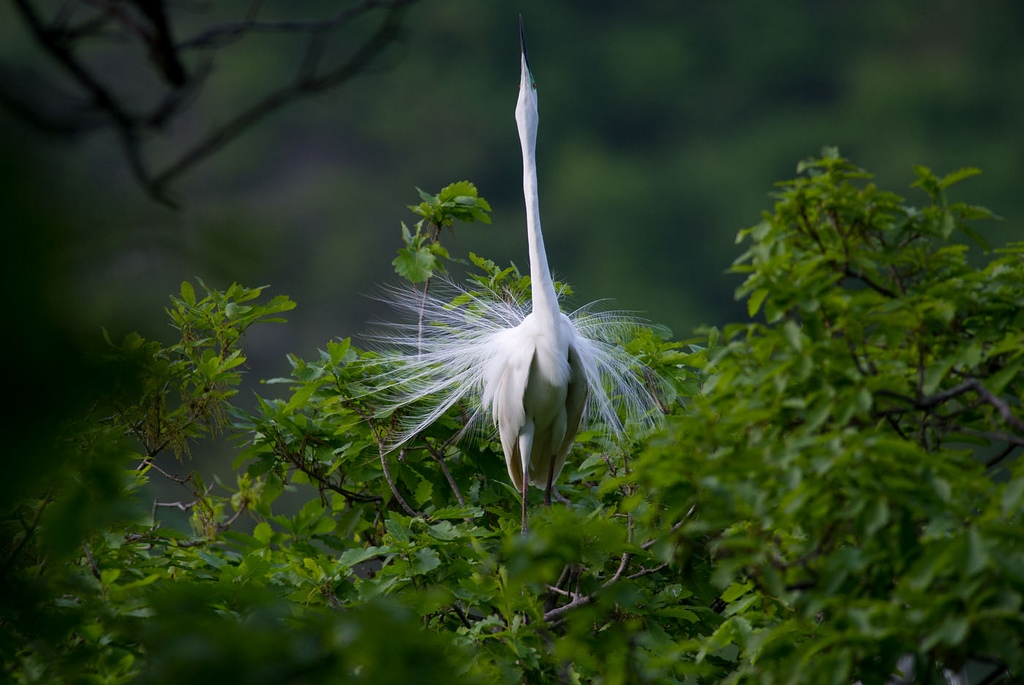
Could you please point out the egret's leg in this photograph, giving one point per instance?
(526, 485)
(550, 485)
(525, 452)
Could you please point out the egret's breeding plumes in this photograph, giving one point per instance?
(536, 372)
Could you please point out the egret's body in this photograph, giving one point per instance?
(536, 372)
(536, 390)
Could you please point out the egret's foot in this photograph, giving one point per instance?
(560, 497)
(525, 530)
(552, 492)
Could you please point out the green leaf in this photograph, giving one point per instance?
(736, 590)
(416, 266)
(1013, 491)
(188, 293)
(425, 560)
(957, 176)
(263, 532)
(755, 300)
(457, 513)
(357, 555)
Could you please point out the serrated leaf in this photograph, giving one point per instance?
(415, 265)
(263, 532)
(957, 176)
(736, 590)
(425, 560)
(357, 555)
(457, 513)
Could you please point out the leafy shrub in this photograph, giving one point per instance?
(837, 494)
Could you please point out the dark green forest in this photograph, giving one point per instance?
(663, 127)
(838, 490)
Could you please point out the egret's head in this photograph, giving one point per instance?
(526, 108)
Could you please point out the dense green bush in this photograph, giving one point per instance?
(838, 487)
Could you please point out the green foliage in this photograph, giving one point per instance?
(849, 459)
(421, 257)
(838, 487)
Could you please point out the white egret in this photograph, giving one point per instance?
(538, 373)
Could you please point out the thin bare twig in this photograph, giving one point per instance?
(104, 99)
(29, 530)
(148, 462)
(303, 87)
(577, 601)
(391, 483)
(646, 571)
(679, 524)
(91, 561)
(623, 564)
(438, 456)
(1000, 405)
(152, 27)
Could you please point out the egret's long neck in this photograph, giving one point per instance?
(545, 300)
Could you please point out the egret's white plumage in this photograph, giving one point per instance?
(537, 372)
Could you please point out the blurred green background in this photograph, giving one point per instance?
(664, 125)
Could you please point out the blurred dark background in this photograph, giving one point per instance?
(664, 125)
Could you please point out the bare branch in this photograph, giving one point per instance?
(1000, 405)
(91, 561)
(650, 543)
(438, 456)
(303, 87)
(126, 125)
(222, 35)
(577, 601)
(646, 571)
(149, 25)
(623, 564)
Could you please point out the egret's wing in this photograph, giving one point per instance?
(443, 353)
(503, 391)
(439, 354)
(618, 394)
(575, 405)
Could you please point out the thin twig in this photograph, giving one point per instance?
(994, 461)
(92, 562)
(1000, 405)
(66, 45)
(650, 543)
(219, 36)
(148, 462)
(124, 122)
(558, 591)
(391, 483)
(646, 571)
(577, 601)
(29, 530)
(462, 616)
(439, 458)
(623, 564)
(230, 522)
(301, 88)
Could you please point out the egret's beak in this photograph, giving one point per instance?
(522, 46)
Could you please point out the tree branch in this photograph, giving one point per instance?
(305, 86)
(126, 125)
(152, 27)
